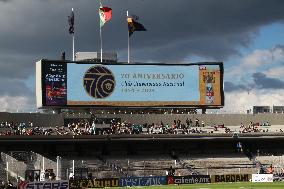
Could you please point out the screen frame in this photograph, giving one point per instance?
(43, 90)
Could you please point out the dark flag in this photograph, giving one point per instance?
(133, 25)
(71, 22)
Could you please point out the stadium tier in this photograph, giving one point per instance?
(47, 147)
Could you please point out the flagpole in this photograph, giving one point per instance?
(128, 48)
(73, 44)
(101, 44)
(101, 37)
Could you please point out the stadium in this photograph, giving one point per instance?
(133, 139)
(200, 108)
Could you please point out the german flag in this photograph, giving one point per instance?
(133, 26)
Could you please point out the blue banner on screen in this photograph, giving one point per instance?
(142, 181)
(134, 83)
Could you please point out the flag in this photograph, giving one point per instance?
(134, 17)
(105, 15)
(133, 25)
(71, 22)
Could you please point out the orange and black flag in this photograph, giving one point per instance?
(133, 25)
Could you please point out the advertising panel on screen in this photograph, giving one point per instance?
(130, 85)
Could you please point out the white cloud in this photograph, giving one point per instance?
(275, 72)
(258, 59)
(239, 102)
(12, 104)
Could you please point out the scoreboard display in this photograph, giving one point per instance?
(85, 84)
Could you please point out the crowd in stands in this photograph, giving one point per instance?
(85, 127)
(254, 127)
(89, 127)
(11, 128)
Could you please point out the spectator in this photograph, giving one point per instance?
(52, 176)
(190, 122)
(37, 178)
(196, 122)
(9, 185)
(187, 122)
(71, 176)
(90, 176)
(171, 171)
(239, 147)
(30, 177)
(2, 185)
(270, 170)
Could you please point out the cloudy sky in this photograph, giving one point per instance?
(247, 35)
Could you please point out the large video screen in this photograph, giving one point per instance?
(131, 85)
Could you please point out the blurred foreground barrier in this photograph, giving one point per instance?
(231, 178)
(143, 181)
(262, 178)
(190, 179)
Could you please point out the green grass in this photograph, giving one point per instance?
(244, 185)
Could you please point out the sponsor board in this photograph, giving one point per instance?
(96, 183)
(143, 181)
(82, 183)
(58, 184)
(190, 179)
(262, 177)
(106, 182)
(231, 178)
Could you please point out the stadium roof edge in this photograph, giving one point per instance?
(138, 63)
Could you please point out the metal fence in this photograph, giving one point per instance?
(15, 166)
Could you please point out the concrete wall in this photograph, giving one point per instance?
(51, 120)
(209, 119)
(41, 120)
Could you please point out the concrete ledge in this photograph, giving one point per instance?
(142, 137)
